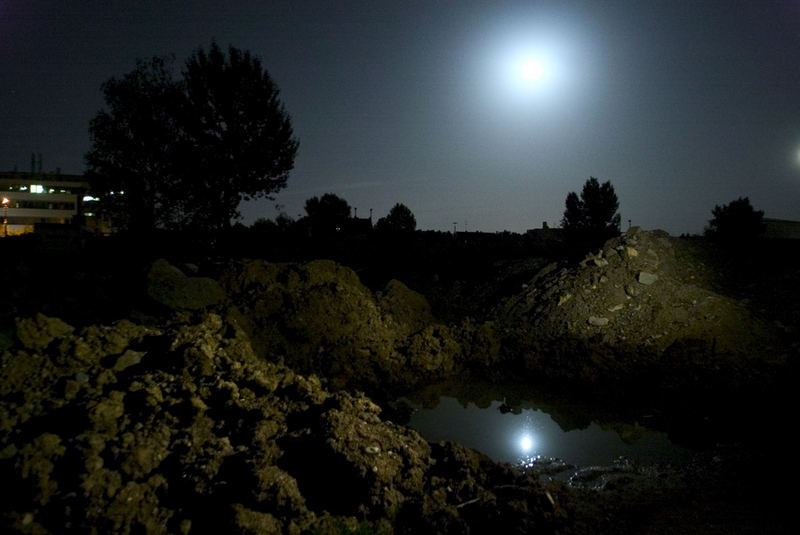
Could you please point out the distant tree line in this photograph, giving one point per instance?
(330, 215)
(183, 151)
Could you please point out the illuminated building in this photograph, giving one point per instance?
(46, 198)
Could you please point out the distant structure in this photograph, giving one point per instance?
(546, 236)
(360, 226)
(781, 229)
(38, 200)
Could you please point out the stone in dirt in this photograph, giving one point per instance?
(646, 278)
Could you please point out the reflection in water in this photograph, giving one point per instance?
(523, 435)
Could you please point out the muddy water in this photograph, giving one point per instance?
(520, 424)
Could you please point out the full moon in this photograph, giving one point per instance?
(532, 70)
(526, 443)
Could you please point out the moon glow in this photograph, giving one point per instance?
(532, 70)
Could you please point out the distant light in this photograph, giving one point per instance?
(6, 200)
(89, 198)
(37, 188)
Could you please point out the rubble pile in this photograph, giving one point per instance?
(638, 306)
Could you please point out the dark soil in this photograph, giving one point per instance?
(206, 393)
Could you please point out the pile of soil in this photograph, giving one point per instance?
(320, 318)
(182, 428)
(643, 307)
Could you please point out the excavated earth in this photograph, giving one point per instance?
(184, 429)
(233, 403)
(644, 309)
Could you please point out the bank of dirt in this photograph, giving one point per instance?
(183, 429)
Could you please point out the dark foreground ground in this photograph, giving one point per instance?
(145, 411)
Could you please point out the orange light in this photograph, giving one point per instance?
(5, 200)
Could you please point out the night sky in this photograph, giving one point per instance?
(680, 104)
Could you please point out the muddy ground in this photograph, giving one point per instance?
(249, 396)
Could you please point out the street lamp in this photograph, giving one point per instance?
(5, 216)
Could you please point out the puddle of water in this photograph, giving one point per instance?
(521, 431)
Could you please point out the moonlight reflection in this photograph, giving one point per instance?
(532, 434)
(526, 444)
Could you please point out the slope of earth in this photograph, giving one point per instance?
(321, 318)
(644, 308)
(183, 429)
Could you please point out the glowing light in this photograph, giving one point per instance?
(532, 70)
(526, 443)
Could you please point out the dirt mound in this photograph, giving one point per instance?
(320, 318)
(642, 302)
(183, 429)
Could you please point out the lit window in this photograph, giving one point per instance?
(89, 198)
(37, 188)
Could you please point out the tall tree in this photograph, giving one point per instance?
(132, 163)
(400, 219)
(186, 151)
(735, 221)
(592, 218)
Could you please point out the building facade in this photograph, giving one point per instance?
(30, 199)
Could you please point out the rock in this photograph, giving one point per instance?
(646, 278)
(408, 308)
(128, 359)
(597, 321)
(38, 332)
